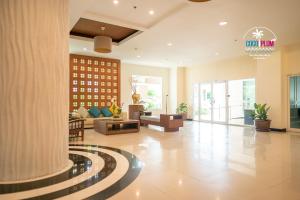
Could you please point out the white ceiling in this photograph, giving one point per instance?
(192, 28)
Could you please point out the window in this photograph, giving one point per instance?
(150, 89)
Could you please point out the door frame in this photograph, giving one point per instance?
(289, 105)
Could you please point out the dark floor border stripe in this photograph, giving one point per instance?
(134, 170)
(80, 165)
(109, 167)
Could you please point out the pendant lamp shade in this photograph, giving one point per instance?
(102, 44)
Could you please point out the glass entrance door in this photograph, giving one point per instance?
(206, 101)
(294, 102)
(219, 102)
(226, 102)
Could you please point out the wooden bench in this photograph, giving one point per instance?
(170, 123)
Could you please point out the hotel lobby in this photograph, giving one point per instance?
(150, 99)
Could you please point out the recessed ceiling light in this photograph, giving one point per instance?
(170, 44)
(199, 1)
(217, 53)
(224, 23)
(137, 193)
(116, 2)
(85, 49)
(151, 12)
(138, 56)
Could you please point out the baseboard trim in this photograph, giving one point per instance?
(283, 130)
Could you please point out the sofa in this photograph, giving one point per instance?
(89, 121)
(84, 114)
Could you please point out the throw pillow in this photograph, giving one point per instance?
(94, 112)
(106, 112)
(75, 115)
(83, 112)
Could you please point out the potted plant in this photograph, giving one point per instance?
(182, 109)
(260, 116)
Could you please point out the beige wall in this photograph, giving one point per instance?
(173, 87)
(34, 88)
(231, 69)
(269, 86)
(177, 91)
(181, 80)
(127, 70)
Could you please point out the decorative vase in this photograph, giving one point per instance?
(136, 98)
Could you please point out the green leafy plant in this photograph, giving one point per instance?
(182, 108)
(149, 106)
(260, 111)
(151, 93)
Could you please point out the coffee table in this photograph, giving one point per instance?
(111, 127)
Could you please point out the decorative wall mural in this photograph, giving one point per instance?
(94, 81)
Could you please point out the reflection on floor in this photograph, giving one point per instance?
(201, 161)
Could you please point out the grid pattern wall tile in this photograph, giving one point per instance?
(93, 81)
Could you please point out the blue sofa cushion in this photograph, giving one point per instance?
(106, 112)
(94, 112)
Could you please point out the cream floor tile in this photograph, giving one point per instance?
(209, 161)
(288, 190)
(179, 186)
(141, 189)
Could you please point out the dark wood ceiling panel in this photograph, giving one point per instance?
(89, 29)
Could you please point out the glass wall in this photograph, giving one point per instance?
(150, 89)
(241, 99)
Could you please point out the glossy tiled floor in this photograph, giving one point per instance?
(210, 162)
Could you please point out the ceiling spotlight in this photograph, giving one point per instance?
(198, 1)
(217, 53)
(151, 12)
(170, 44)
(223, 23)
(85, 49)
(116, 2)
(138, 56)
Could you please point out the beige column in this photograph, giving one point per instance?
(33, 88)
